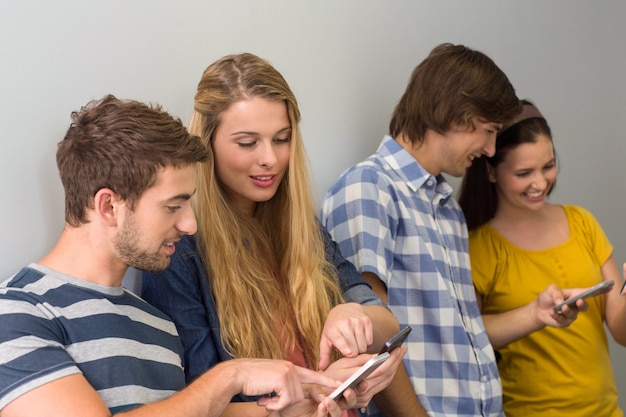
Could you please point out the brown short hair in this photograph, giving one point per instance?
(121, 145)
(453, 86)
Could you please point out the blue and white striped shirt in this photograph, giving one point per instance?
(53, 325)
(392, 218)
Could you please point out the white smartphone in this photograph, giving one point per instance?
(598, 289)
(356, 378)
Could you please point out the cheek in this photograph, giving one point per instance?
(283, 155)
(228, 166)
(511, 184)
(551, 176)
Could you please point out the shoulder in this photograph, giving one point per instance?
(577, 212)
(24, 277)
(484, 242)
(580, 217)
(367, 172)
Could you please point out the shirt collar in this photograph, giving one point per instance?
(407, 167)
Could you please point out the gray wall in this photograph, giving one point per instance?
(347, 61)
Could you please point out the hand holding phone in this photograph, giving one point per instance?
(359, 376)
(601, 288)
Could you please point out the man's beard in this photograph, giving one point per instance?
(128, 246)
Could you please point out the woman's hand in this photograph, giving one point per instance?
(552, 296)
(348, 329)
(317, 404)
(373, 384)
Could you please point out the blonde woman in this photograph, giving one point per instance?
(261, 278)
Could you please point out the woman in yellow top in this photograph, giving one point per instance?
(519, 245)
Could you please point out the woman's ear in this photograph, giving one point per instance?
(491, 173)
(107, 206)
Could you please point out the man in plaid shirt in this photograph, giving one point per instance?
(394, 217)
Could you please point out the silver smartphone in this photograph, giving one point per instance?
(598, 289)
(356, 378)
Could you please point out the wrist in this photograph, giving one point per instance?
(230, 371)
(538, 322)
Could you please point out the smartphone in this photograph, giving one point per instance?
(396, 340)
(356, 378)
(598, 289)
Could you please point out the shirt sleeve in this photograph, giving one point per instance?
(181, 292)
(484, 257)
(355, 289)
(32, 347)
(594, 235)
(360, 214)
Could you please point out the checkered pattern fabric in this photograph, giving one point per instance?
(392, 218)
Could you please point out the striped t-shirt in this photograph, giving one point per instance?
(53, 325)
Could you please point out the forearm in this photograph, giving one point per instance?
(616, 317)
(615, 303)
(384, 324)
(399, 398)
(207, 396)
(507, 327)
(247, 409)
(618, 329)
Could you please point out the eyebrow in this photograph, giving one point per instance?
(180, 197)
(251, 133)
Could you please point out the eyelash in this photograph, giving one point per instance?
(251, 144)
(173, 209)
(545, 168)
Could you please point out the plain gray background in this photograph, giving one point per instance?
(347, 61)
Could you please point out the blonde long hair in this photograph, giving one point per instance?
(272, 285)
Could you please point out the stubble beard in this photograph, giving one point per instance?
(128, 246)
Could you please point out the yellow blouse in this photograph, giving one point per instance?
(552, 372)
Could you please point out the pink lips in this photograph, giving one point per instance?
(535, 199)
(170, 249)
(259, 181)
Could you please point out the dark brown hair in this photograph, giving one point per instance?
(121, 145)
(478, 197)
(452, 86)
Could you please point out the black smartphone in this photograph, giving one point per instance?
(396, 340)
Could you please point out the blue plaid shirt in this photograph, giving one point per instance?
(392, 218)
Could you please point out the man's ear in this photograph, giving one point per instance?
(491, 173)
(107, 205)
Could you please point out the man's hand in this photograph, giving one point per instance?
(281, 380)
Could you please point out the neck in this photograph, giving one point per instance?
(424, 152)
(79, 255)
(507, 214)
